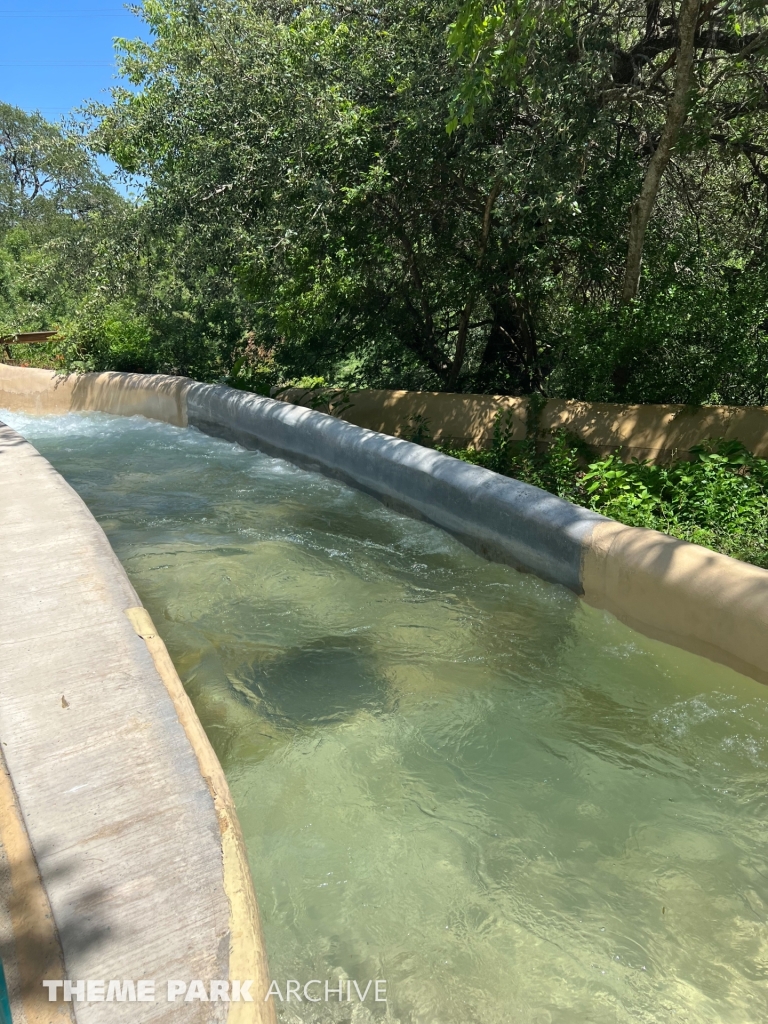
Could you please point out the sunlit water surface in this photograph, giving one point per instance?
(450, 775)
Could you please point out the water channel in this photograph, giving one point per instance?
(450, 775)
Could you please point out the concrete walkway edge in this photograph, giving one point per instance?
(134, 866)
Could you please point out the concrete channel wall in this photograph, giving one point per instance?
(655, 432)
(121, 857)
(668, 589)
(116, 824)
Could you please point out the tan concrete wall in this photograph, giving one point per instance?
(654, 432)
(40, 392)
(31, 948)
(657, 431)
(24, 389)
(644, 431)
(461, 419)
(133, 394)
(680, 593)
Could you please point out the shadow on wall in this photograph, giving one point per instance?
(42, 392)
(653, 432)
(656, 432)
(127, 394)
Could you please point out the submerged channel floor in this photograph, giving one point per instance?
(450, 775)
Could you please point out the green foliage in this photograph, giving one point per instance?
(501, 455)
(301, 194)
(335, 401)
(45, 175)
(75, 255)
(301, 187)
(243, 378)
(694, 342)
(498, 43)
(717, 497)
(58, 221)
(106, 335)
(253, 369)
(419, 431)
(317, 395)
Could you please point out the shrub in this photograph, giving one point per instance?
(716, 496)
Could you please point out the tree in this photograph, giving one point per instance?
(713, 57)
(52, 196)
(44, 172)
(306, 159)
(302, 190)
(676, 114)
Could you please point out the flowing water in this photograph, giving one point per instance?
(451, 776)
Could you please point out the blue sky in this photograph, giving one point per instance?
(57, 54)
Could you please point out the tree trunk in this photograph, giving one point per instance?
(676, 114)
(510, 361)
(466, 314)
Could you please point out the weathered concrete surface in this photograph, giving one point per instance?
(653, 432)
(132, 394)
(124, 827)
(504, 519)
(464, 420)
(681, 593)
(41, 392)
(656, 432)
(29, 943)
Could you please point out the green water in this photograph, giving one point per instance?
(450, 776)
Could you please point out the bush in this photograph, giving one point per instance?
(717, 496)
(108, 336)
(690, 342)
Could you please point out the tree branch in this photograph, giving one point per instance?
(627, 63)
(676, 115)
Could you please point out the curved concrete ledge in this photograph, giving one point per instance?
(681, 593)
(124, 826)
(684, 594)
(41, 392)
(502, 518)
